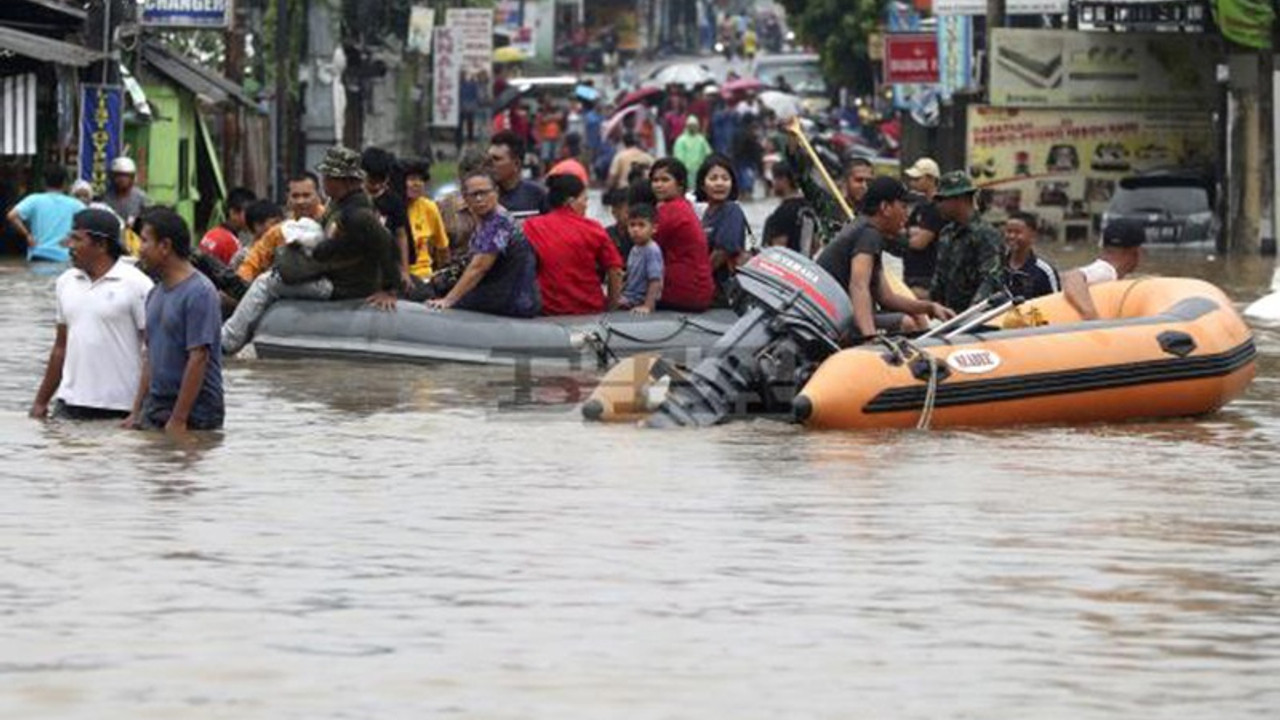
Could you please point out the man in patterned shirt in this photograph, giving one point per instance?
(970, 251)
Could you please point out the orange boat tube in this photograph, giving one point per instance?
(1163, 347)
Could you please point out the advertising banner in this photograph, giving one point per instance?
(101, 124)
(508, 20)
(942, 8)
(422, 20)
(911, 58)
(1063, 166)
(955, 54)
(445, 76)
(186, 13)
(1065, 69)
(475, 28)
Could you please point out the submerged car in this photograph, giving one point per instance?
(1176, 207)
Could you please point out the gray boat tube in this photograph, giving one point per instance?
(297, 329)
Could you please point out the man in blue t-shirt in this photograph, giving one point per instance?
(181, 384)
(44, 219)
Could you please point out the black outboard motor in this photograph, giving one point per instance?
(793, 316)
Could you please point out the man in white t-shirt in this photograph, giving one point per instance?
(1121, 252)
(94, 368)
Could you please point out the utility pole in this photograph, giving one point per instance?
(283, 157)
(994, 19)
(234, 71)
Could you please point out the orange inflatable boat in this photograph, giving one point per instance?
(1164, 347)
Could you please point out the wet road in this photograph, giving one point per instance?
(395, 543)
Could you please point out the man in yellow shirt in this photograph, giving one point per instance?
(304, 202)
(429, 240)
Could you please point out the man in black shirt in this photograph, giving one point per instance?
(854, 260)
(1026, 274)
(920, 259)
(356, 259)
(505, 161)
(378, 165)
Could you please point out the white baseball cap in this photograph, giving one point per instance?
(924, 167)
(124, 166)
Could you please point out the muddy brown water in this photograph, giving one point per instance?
(394, 541)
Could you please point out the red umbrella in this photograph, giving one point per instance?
(741, 85)
(639, 95)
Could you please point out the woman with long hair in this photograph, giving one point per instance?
(688, 285)
(724, 222)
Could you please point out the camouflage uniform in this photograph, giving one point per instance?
(970, 264)
(831, 216)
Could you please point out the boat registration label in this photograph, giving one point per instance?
(973, 362)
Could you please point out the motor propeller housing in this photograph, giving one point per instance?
(793, 316)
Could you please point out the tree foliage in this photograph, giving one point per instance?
(840, 30)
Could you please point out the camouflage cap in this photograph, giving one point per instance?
(341, 162)
(955, 184)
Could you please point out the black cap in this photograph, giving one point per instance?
(882, 189)
(1124, 233)
(99, 223)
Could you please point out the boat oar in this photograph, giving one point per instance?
(979, 308)
(895, 283)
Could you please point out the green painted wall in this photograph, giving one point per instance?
(167, 147)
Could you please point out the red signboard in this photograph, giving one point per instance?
(910, 58)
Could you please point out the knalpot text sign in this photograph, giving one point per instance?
(187, 13)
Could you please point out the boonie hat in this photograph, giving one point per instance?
(341, 162)
(924, 167)
(1124, 233)
(98, 223)
(955, 184)
(882, 189)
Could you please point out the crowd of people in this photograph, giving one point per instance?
(147, 347)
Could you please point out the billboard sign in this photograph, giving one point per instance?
(1063, 166)
(475, 28)
(1067, 69)
(186, 13)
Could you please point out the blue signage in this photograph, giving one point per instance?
(187, 13)
(101, 130)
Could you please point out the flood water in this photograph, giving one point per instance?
(393, 541)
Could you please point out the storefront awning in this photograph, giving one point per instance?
(46, 49)
(197, 79)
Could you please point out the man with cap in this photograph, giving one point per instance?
(854, 259)
(360, 259)
(1121, 252)
(123, 195)
(96, 361)
(970, 256)
(924, 224)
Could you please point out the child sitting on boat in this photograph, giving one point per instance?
(643, 285)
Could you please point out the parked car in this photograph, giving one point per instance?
(1176, 206)
(799, 74)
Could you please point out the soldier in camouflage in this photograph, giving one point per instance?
(970, 252)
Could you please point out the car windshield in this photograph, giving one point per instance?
(803, 77)
(1176, 200)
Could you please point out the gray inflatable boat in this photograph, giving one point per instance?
(413, 333)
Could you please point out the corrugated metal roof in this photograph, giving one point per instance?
(46, 49)
(62, 7)
(197, 79)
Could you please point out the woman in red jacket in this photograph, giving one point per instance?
(687, 285)
(574, 252)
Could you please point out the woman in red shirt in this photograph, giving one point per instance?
(687, 285)
(573, 252)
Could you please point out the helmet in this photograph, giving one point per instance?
(124, 166)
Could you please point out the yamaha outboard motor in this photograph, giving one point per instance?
(793, 316)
